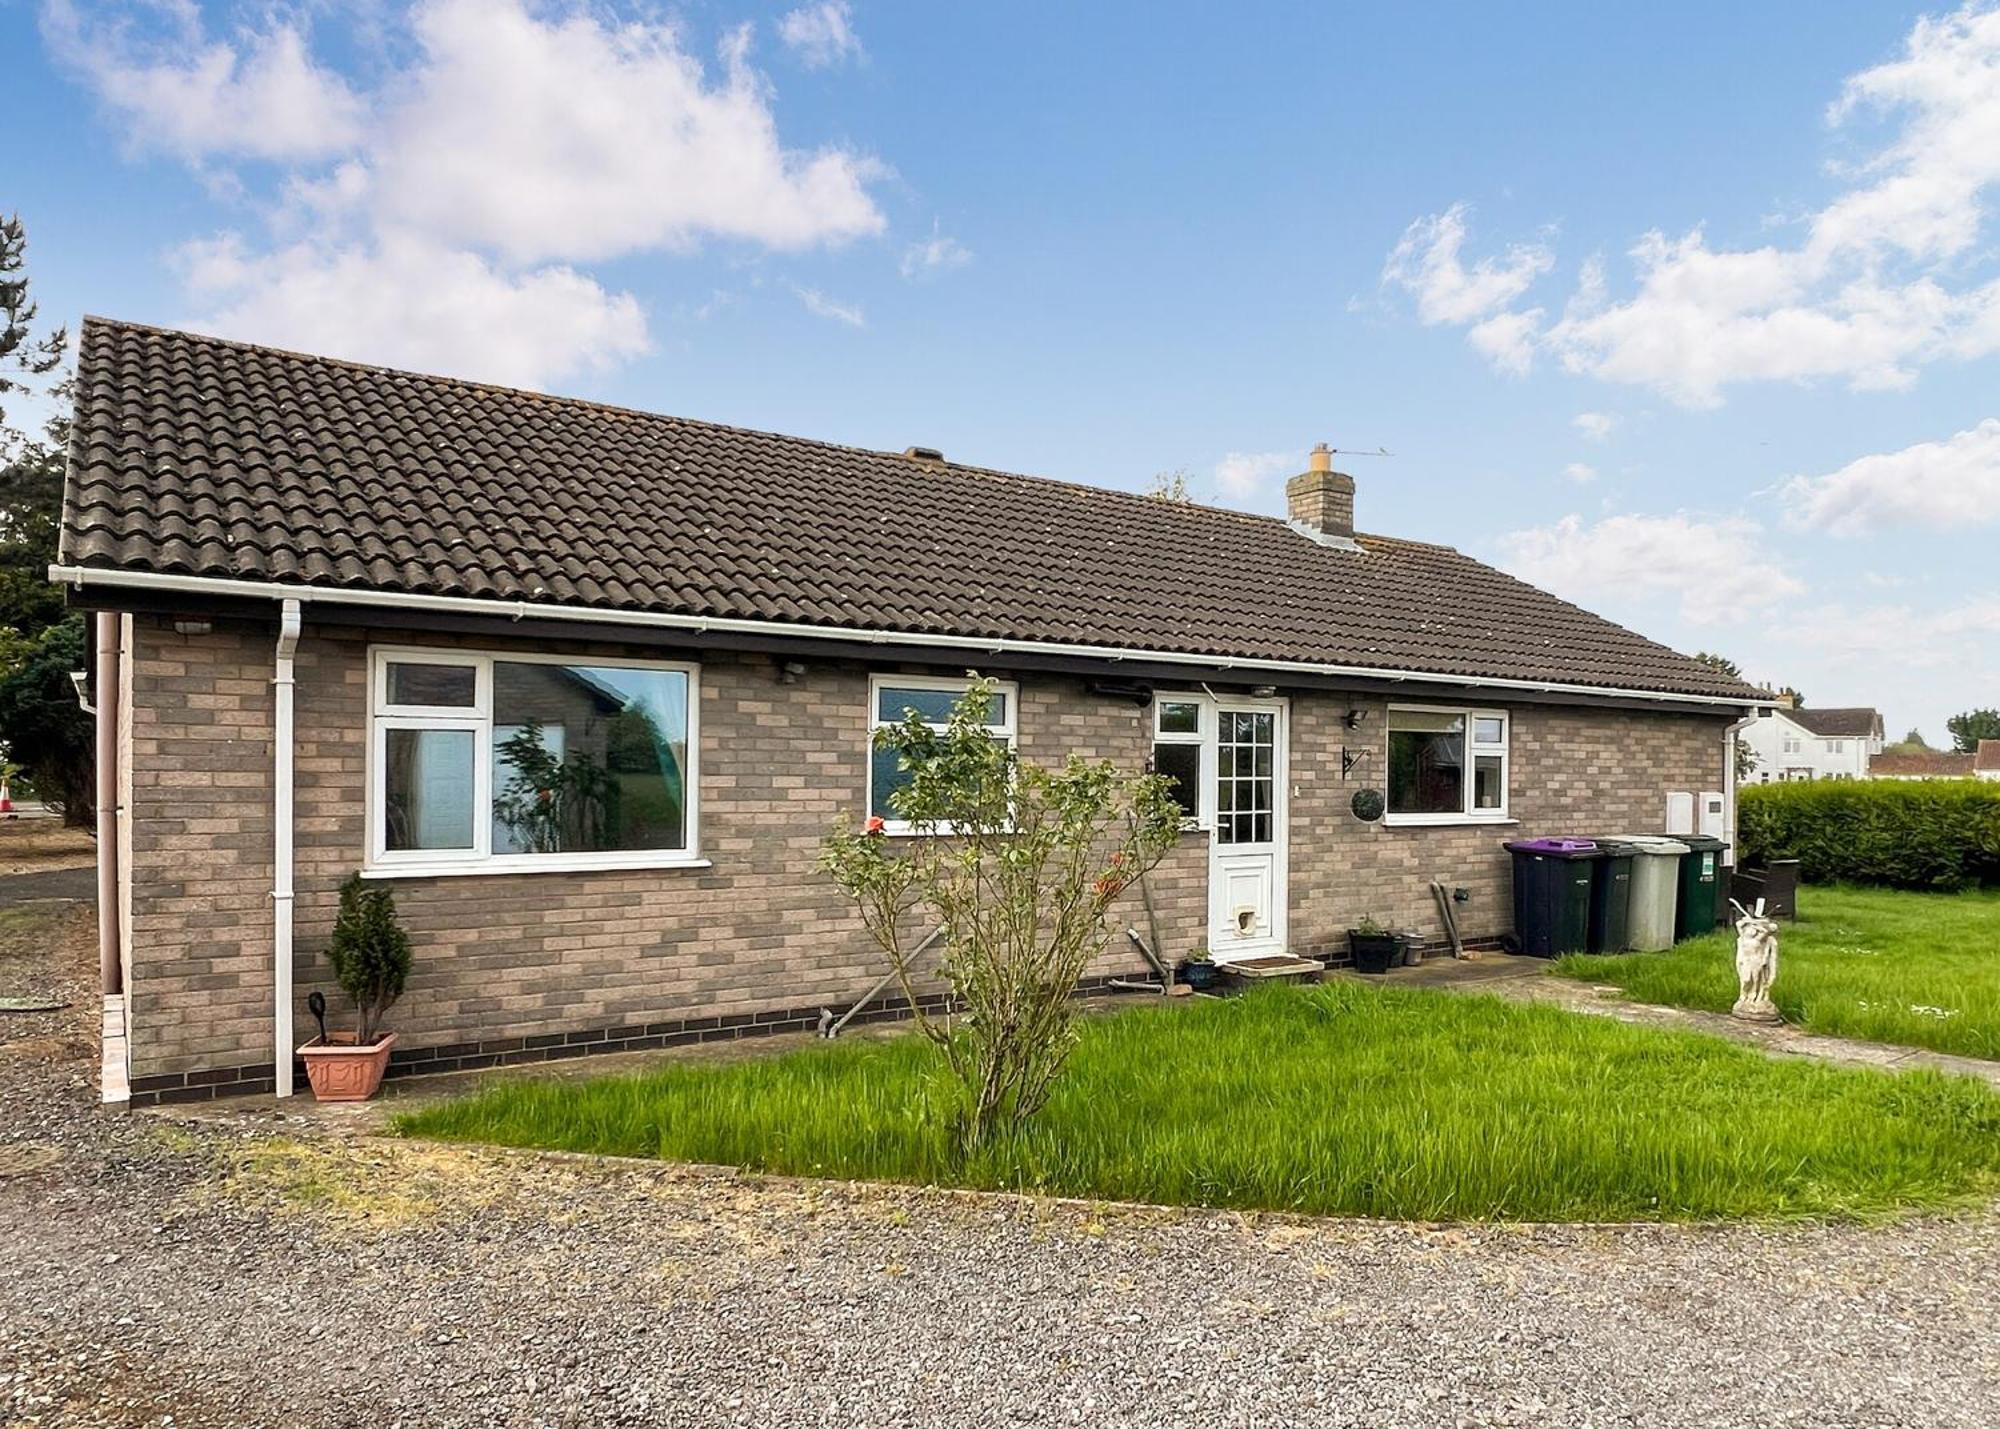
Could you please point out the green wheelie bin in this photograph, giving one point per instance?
(1698, 908)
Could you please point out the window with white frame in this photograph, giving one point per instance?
(1447, 764)
(892, 698)
(1180, 734)
(527, 761)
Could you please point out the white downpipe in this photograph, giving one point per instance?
(83, 576)
(1729, 738)
(289, 623)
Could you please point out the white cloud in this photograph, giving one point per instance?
(435, 219)
(1907, 636)
(570, 137)
(260, 98)
(821, 35)
(1507, 340)
(934, 255)
(821, 306)
(1582, 473)
(1882, 281)
(1715, 569)
(1243, 475)
(1946, 486)
(409, 303)
(1595, 426)
(1426, 262)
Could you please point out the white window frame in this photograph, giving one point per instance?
(1473, 750)
(1204, 738)
(384, 862)
(1010, 730)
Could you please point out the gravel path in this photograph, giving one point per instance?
(266, 1270)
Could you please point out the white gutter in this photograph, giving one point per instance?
(85, 576)
(289, 624)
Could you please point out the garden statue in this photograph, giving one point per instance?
(1756, 964)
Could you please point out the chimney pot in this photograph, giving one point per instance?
(1322, 501)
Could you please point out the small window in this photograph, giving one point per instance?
(1177, 752)
(897, 697)
(1447, 764)
(414, 685)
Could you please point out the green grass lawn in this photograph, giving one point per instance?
(1884, 965)
(1339, 1099)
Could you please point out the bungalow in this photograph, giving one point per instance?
(337, 605)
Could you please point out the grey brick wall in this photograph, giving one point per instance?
(525, 955)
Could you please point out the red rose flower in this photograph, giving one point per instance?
(875, 824)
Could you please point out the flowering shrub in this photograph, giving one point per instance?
(1018, 865)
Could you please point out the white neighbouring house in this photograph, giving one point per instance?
(1794, 744)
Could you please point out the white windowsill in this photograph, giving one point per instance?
(494, 868)
(1446, 821)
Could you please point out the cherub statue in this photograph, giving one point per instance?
(1756, 964)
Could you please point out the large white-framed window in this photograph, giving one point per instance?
(1182, 725)
(892, 697)
(1447, 765)
(505, 762)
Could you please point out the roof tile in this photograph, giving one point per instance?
(196, 455)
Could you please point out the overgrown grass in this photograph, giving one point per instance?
(1919, 969)
(1339, 1099)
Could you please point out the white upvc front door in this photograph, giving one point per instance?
(1248, 849)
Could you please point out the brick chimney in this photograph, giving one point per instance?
(1322, 501)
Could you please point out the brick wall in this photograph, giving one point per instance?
(544, 954)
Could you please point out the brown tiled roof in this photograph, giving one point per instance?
(1987, 759)
(198, 456)
(1921, 764)
(1851, 723)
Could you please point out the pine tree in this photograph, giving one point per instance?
(370, 954)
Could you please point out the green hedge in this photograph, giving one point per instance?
(1942, 833)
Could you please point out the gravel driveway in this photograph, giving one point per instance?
(267, 1271)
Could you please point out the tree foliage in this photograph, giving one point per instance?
(24, 355)
(370, 954)
(1722, 664)
(1966, 730)
(42, 727)
(46, 732)
(1018, 865)
(1170, 486)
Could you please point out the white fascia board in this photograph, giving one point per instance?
(83, 577)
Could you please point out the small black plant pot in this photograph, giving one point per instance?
(1199, 976)
(1374, 952)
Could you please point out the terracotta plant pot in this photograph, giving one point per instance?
(342, 1072)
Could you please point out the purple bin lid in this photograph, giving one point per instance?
(1552, 845)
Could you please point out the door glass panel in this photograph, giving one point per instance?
(1246, 755)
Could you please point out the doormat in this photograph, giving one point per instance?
(1275, 966)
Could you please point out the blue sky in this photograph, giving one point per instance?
(1691, 314)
